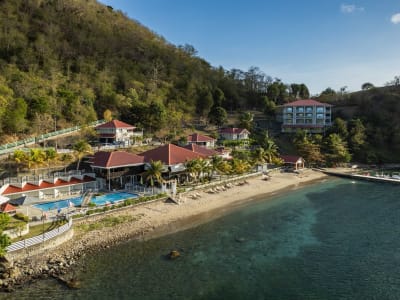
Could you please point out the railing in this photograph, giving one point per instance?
(30, 141)
(33, 178)
(40, 238)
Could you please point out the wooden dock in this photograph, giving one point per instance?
(361, 177)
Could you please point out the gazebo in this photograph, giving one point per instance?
(296, 162)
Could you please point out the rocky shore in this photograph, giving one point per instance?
(141, 222)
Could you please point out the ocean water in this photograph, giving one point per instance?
(330, 240)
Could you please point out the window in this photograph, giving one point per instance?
(309, 115)
(300, 109)
(309, 109)
(320, 109)
(320, 116)
(288, 109)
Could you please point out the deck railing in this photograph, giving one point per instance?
(10, 147)
(40, 238)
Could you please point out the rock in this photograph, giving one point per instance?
(174, 254)
(73, 284)
(240, 239)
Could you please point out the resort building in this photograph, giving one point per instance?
(118, 132)
(234, 134)
(310, 115)
(116, 170)
(201, 140)
(173, 157)
(34, 189)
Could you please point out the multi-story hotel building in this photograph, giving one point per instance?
(307, 114)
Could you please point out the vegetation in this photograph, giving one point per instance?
(4, 239)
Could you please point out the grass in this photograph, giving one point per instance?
(39, 229)
(106, 222)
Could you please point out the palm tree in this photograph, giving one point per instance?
(154, 173)
(81, 148)
(246, 120)
(240, 166)
(193, 167)
(216, 162)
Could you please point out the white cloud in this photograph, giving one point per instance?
(395, 19)
(350, 8)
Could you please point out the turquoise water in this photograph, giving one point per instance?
(98, 200)
(334, 240)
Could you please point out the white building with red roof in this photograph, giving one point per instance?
(234, 134)
(307, 114)
(117, 169)
(118, 132)
(201, 140)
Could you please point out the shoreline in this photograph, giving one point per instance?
(148, 221)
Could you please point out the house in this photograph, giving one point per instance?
(201, 140)
(234, 134)
(292, 161)
(116, 170)
(309, 115)
(118, 132)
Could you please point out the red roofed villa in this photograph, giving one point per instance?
(307, 114)
(116, 170)
(201, 140)
(118, 132)
(233, 134)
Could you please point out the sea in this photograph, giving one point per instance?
(337, 239)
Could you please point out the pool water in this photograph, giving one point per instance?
(76, 201)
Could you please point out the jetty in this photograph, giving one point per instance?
(381, 179)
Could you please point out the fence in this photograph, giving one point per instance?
(40, 238)
(10, 147)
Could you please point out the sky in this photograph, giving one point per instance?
(321, 43)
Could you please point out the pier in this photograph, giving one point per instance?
(360, 177)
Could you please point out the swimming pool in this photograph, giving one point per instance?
(98, 200)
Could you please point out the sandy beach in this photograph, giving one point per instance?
(154, 219)
(195, 207)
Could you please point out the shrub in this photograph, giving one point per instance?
(91, 204)
(22, 217)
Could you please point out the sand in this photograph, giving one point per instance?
(195, 207)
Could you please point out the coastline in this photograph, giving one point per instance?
(151, 220)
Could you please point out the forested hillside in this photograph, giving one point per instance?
(65, 62)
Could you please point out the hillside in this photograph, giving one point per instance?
(65, 62)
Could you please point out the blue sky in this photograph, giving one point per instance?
(322, 43)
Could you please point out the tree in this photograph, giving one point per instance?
(81, 148)
(107, 115)
(336, 150)
(367, 86)
(309, 148)
(246, 120)
(339, 126)
(357, 136)
(5, 240)
(218, 116)
(153, 173)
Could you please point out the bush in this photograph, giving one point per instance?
(91, 204)
(22, 217)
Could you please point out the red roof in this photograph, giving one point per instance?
(201, 150)
(195, 137)
(234, 130)
(103, 159)
(306, 102)
(11, 189)
(170, 155)
(7, 207)
(291, 159)
(115, 124)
